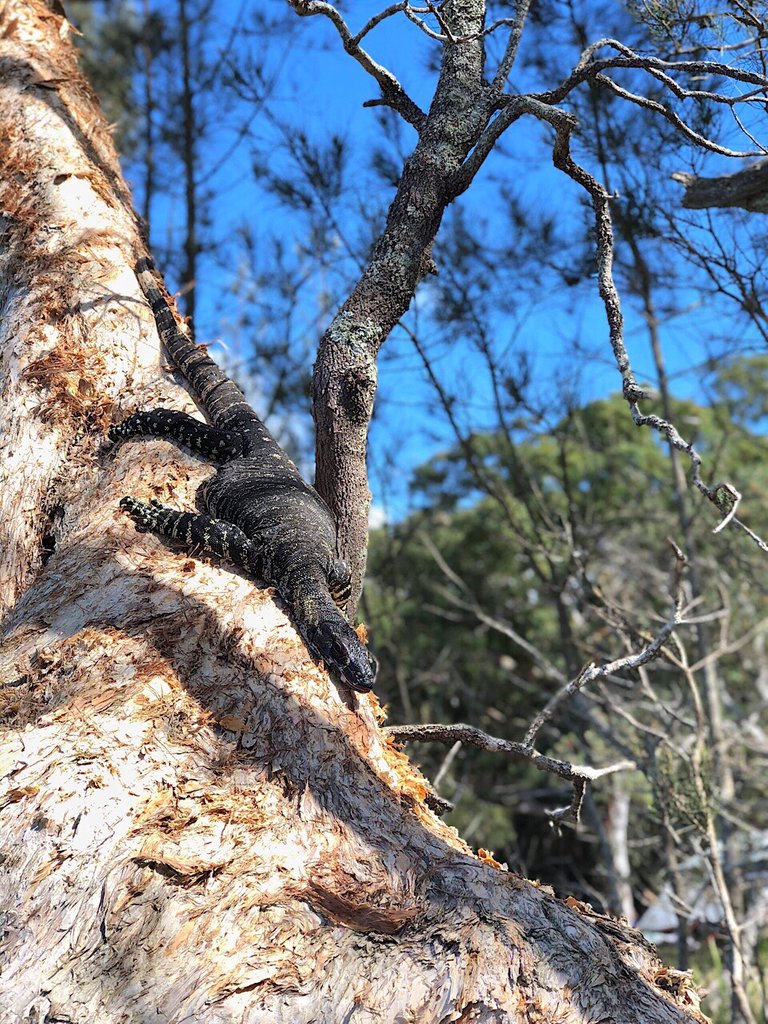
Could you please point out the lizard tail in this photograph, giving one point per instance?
(220, 397)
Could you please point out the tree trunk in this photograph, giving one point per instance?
(196, 824)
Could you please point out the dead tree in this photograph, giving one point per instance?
(196, 824)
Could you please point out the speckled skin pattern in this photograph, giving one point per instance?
(261, 515)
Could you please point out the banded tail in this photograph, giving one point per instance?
(221, 398)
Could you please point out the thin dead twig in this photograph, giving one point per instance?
(723, 495)
(393, 94)
(579, 775)
(592, 672)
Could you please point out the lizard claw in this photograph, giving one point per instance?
(143, 515)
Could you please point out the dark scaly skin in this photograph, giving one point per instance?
(262, 516)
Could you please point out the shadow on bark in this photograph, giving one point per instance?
(393, 882)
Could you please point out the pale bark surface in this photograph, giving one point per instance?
(195, 824)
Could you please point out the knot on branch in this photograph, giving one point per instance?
(632, 391)
(358, 388)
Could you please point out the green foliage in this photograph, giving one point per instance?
(110, 38)
(538, 548)
(688, 792)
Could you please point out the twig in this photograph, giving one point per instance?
(579, 775)
(447, 762)
(471, 604)
(676, 120)
(591, 672)
(510, 52)
(392, 91)
(377, 19)
(447, 36)
(587, 67)
(723, 495)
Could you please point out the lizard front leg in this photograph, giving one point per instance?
(339, 583)
(179, 426)
(198, 532)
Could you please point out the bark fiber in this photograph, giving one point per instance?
(195, 824)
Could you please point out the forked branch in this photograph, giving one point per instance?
(392, 92)
(579, 775)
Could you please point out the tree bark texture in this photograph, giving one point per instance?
(747, 188)
(345, 375)
(195, 824)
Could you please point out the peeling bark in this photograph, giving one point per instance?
(196, 825)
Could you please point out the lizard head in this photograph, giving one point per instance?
(346, 657)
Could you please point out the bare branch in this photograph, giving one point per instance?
(676, 120)
(592, 672)
(434, 10)
(392, 91)
(510, 53)
(747, 188)
(511, 107)
(723, 495)
(447, 36)
(514, 107)
(579, 775)
(525, 751)
(377, 19)
(587, 67)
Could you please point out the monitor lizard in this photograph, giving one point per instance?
(260, 514)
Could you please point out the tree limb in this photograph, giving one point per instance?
(579, 775)
(393, 94)
(747, 189)
(586, 68)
